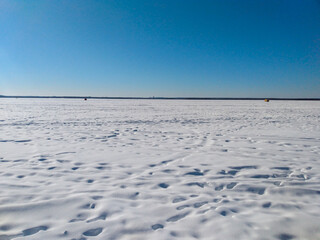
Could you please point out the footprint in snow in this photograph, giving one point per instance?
(157, 226)
(92, 232)
(34, 230)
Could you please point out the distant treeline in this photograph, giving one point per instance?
(166, 98)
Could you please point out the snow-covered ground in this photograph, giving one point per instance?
(159, 169)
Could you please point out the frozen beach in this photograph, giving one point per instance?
(159, 169)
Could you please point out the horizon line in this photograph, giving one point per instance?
(164, 98)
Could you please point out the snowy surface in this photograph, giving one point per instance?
(159, 169)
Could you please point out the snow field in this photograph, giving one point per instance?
(159, 169)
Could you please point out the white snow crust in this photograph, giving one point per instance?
(159, 169)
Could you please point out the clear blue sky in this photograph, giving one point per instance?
(196, 48)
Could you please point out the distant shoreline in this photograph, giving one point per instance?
(166, 98)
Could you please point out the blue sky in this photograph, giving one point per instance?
(165, 48)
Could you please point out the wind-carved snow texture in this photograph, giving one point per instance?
(159, 169)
